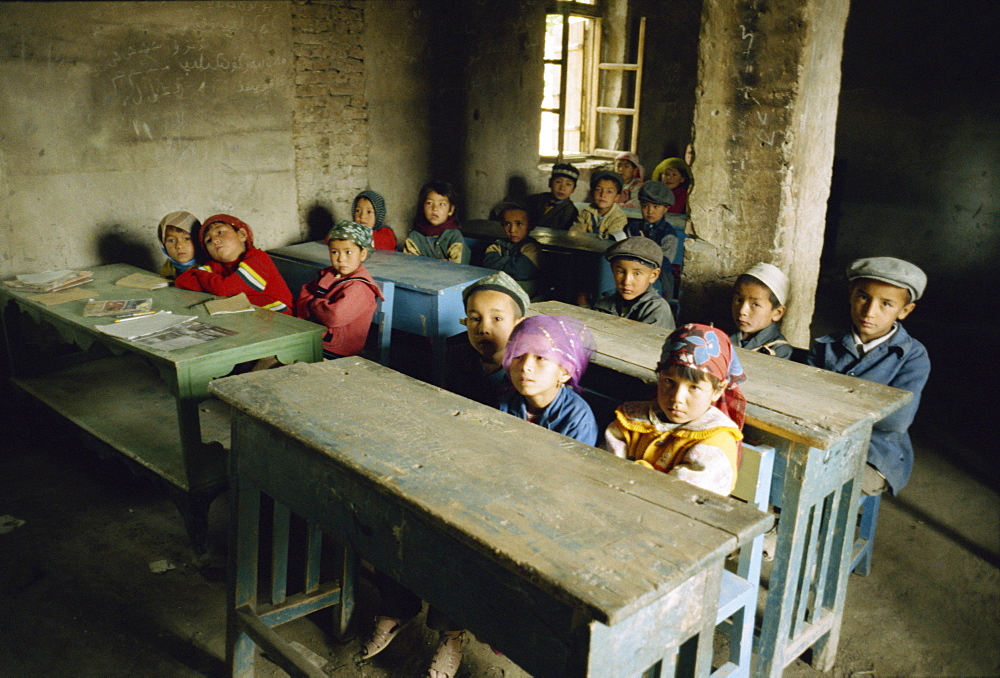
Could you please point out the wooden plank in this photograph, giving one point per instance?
(91, 395)
(481, 484)
(278, 651)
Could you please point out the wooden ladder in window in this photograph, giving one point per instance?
(620, 69)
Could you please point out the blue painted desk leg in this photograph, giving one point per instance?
(241, 583)
(808, 583)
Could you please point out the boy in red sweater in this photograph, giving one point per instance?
(344, 295)
(234, 265)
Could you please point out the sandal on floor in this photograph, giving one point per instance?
(386, 628)
(448, 657)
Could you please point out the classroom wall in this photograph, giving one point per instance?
(670, 76)
(114, 114)
(917, 164)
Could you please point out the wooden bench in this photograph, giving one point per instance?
(571, 561)
(145, 402)
(819, 423)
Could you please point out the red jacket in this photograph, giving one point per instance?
(253, 273)
(344, 305)
(384, 238)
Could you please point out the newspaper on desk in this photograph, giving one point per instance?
(165, 331)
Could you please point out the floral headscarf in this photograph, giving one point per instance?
(708, 350)
(558, 338)
(345, 229)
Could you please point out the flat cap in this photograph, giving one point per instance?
(636, 247)
(890, 270)
(499, 282)
(657, 193)
(773, 278)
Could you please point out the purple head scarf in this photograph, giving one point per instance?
(558, 338)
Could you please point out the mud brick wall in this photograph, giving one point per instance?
(330, 112)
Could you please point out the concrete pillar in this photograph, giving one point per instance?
(764, 123)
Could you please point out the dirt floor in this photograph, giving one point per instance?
(78, 596)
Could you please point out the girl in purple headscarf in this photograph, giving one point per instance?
(546, 354)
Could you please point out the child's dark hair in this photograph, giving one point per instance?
(441, 188)
(690, 374)
(745, 279)
(508, 205)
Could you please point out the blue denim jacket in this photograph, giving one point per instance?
(568, 414)
(902, 362)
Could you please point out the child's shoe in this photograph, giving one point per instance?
(386, 628)
(448, 657)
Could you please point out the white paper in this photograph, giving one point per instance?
(148, 324)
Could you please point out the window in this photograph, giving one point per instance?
(588, 105)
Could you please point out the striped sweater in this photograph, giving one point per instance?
(253, 273)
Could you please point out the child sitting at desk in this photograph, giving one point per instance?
(676, 174)
(493, 307)
(682, 432)
(883, 291)
(435, 229)
(603, 217)
(344, 296)
(654, 200)
(555, 209)
(545, 358)
(174, 233)
(635, 265)
(628, 166)
(758, 305)
(518, 254)
(235, 266)
(369, 210)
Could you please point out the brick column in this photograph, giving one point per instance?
(764, 123)
(330, 118)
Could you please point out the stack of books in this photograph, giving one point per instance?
(49, 281)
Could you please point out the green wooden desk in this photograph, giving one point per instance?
(145, 402)
(820, 423)
(571, 561)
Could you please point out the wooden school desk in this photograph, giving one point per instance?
(571, 561)
(145, 402)
(428, 291)
(820, 423)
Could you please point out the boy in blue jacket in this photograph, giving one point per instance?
(883, 291)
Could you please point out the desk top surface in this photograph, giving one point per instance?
(590, 528)
(251, 327)
(408, 271)
(552, 238)
(796, 401)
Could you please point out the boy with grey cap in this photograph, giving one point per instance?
(635, 265)
(883, 291)
(493, 307)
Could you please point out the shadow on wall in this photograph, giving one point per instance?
(319, 221)
(115, 245)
